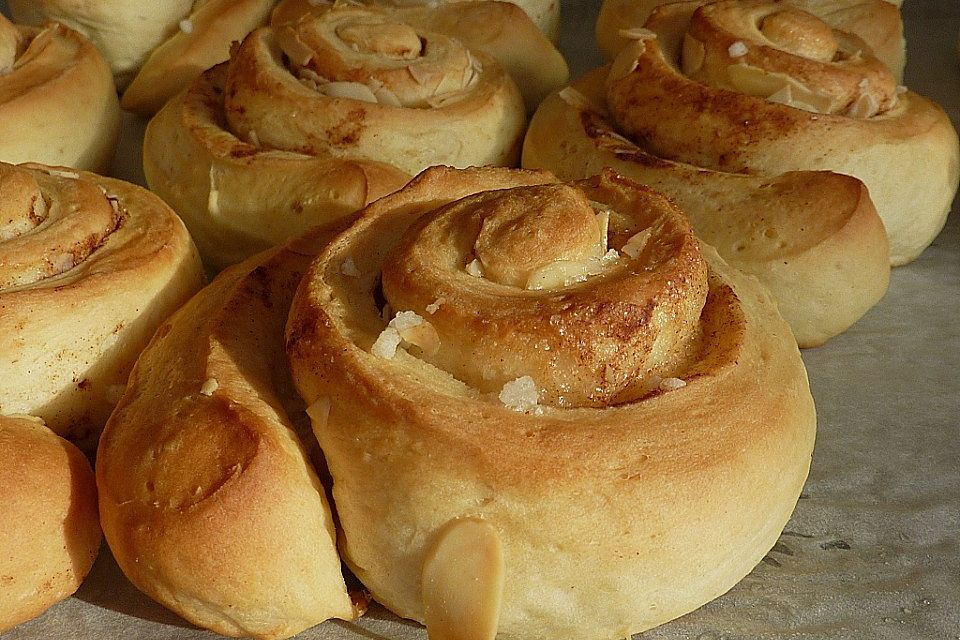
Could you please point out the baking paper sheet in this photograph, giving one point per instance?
(872, 551)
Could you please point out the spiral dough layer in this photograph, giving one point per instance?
(313, 119)
(813, 238)
(546, 410)
(46, 72)
(89, 266)
(877, 22)
(764, 87)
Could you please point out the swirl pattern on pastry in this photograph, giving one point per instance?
(208, 498)
(154, 49)
(44, 73)
(877, 22)
(565, 395)
(314, 119)
(51, 529)
(89, 266)
(903, 147)
(813, 238)
(499, 29)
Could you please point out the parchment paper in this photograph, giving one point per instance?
(872, 551)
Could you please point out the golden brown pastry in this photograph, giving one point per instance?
(201, 40)
(499, 29)
(546, 409)
(89, 266)
(156, 48)
(708, 90)
(51, 531)
(312, 120)
(877, 22)
(208, 499)
(813, 238)
(46, 72)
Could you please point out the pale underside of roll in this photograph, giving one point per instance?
(760, 87)
(502, 463)
(45, 72)
(89, 266)
(813, 238)
(209, 500)
(51, 530)
(314, 118)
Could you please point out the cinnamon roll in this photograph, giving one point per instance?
(761, 87)
(51, 531)
(547, 410)
(154, 49)
(876, 22)
(46, 72)
(315, 118)
(500, 29)
(89, 266)
(207, 495)
(813, 238)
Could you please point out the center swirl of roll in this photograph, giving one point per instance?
(593, 290)
(49, 223)
(522, 234)
(800, 33)
(390, 40)
(786, 55)
(369, 56)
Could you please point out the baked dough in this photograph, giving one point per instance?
(125, 31)
(89, 266)
(877, 22)
(51, 531)
(714, 91)
(202, 39)
(813, 238)
(499, 29)
(313, 119)
(546, 409)
(208, 499)
(46, 72)
(156, 48)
